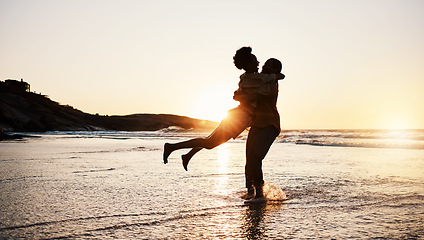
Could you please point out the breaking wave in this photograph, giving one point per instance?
(402, 139)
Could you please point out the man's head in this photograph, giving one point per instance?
(272, 65)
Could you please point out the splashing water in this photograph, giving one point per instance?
(273, 193)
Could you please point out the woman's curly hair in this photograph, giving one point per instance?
(242, 57)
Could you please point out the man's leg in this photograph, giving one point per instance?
(258, 143)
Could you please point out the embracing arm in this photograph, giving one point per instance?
(271, 77)
(279, 76)
(244, 97)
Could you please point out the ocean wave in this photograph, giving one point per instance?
(170, 132)
(77, 220)
(151, 219)
(113, 150)
(24, 178)
(357, 134)
(360, 145)
(95, 170)
(403, 139)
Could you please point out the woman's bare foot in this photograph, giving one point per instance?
(166, 152)
(186, 158)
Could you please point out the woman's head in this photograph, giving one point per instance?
(244, 59)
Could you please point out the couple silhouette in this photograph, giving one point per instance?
(257, 94)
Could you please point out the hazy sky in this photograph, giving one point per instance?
(348, 64)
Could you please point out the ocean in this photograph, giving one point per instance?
(321, 184)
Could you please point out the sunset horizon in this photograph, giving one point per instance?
(204, 113)
(348, 65)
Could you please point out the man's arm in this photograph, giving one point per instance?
(279, 76)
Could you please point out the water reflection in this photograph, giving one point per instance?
(254, 224)
(251, 222)
(222, 181)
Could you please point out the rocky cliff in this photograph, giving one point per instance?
(24, 111)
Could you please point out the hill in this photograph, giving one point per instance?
(25, 111)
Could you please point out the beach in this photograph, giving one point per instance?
(327, 184)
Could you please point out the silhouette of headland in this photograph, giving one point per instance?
(24, 111)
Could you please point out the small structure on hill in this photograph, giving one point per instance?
(14, 86)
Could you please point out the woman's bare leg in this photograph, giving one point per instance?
(186, 157)
(215, 139)
(170, 147)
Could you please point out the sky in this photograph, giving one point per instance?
(349, 64)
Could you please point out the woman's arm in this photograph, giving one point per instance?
(245, 97)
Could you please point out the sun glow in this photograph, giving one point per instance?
(397, 123)
(213, 104)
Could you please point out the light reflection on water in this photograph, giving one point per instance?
(221, 181)
(254, 224)
(248, 223)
